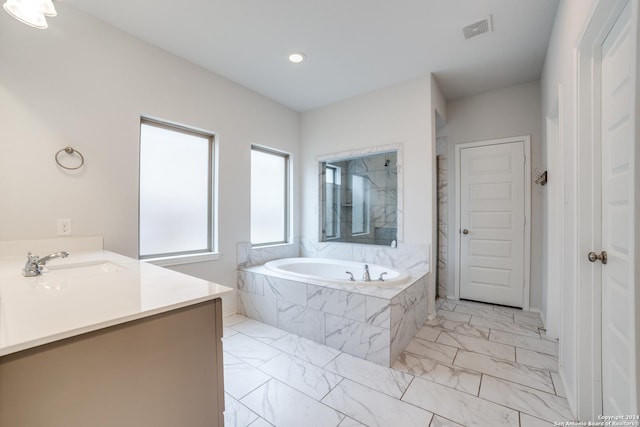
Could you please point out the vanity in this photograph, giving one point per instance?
(100, 339)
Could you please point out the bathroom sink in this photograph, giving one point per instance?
(90, 267)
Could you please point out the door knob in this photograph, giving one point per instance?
(593, 257)
(465, 231)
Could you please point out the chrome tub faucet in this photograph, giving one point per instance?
(366, 276)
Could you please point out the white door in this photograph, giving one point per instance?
(492, 223)
(618, 344)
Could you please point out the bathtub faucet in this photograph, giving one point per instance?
(350, 276)
(366, 276)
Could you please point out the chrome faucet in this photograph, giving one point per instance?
(366, 277)
(35, 265)
(350, 276)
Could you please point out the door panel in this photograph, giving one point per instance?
(618, 363)
(492, 210)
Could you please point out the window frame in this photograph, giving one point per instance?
(287, 195)
(195, 255)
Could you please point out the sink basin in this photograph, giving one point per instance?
(90, 267)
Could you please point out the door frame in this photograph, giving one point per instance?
(554, 250)
(526, 139)
(588, 148)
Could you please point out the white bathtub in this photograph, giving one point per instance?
(335, 271)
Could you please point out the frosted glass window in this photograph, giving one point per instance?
(359, 205)
(269, 196)
(175, 190)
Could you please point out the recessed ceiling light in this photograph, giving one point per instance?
(296, 57)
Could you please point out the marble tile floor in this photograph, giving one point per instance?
(474, 365)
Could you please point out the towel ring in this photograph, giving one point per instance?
(70, 151)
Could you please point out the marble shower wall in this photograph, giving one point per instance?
(443, 215)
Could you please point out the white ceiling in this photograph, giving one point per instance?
(352, 46)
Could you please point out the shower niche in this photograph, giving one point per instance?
(359, 198)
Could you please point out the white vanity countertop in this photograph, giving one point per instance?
(87, 291)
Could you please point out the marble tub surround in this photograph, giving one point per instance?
(410, 257)
(373, 322)
(297, 379)
(247, 255)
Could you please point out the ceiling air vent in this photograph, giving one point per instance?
(478, 28)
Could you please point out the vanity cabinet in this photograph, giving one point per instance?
(162, 370)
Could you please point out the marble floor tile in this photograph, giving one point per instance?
(386, 380)
(227, 332)
(529, 421)
(447, 305)
(233, 319)
(529, 343)
(260, 422)
(459, 327)
(240, 378)
(533, 402)
(454, 373)
(510, 371)
(236, 414)
(249, 350)
(375, 409)
(528, 320)
(458, 406)
(274, 402)
(478, 345)
(260, 331)
(558, 384)
(428, 333)
(303, 376)
(485, 312)
(451, 376)
(518, 311)
(453, 315)
(473, 303)
(432, 350)
(439, 421)
(306, 349)
(505, 326)
(350, 422)
(537, 360)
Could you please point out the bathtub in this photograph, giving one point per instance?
(315, 299)
(337, 271)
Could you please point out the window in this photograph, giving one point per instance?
(176, 190)
(360, 205)
(332, 204)
(269, 196)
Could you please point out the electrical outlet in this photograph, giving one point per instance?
(64, 227)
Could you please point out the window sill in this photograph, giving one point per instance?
(271, 245)
(183, 259)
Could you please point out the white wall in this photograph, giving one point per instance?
(397, 114)
(559, 69)
(502, 113)
(84, 84)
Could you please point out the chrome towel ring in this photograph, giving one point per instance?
(70, 151)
